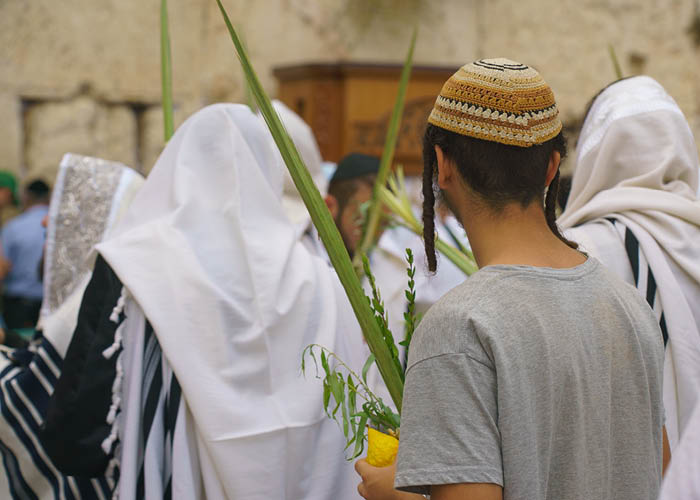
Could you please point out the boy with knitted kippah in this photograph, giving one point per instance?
(540, 376)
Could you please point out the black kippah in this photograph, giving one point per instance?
(355, 165)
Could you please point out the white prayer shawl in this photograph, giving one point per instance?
(233, 297)
(637, 164)
(682, 478)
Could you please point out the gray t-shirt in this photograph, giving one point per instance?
(545, 381)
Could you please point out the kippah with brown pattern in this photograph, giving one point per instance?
(498, 100)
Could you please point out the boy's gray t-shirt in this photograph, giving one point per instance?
(545, 381)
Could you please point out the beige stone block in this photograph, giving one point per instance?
(152, 138)
(11, 134)
(81, 126)
(571, 50)
(52, 49)
(330, 31)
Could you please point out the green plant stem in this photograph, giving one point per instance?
(371, 226)
(166, 72)
(323, 221)
(615, 62)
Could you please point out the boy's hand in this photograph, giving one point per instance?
(378, 483)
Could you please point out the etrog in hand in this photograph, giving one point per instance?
(381, 448)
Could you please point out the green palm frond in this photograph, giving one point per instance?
(374, 215)
(323, 221)
(166, 72)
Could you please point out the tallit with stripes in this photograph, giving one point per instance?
(637, 165)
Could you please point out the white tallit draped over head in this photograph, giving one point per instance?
(637, 163)
(233, 297)
(89, 197)
(635, 154)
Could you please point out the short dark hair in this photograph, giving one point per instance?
(38, 190)
(499, 173)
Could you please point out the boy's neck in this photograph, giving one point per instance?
(517, 236)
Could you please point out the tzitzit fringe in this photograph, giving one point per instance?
(111, 443)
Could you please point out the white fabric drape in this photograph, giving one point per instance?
(637, 163)
(233, 297)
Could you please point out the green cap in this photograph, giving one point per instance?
(7, 180)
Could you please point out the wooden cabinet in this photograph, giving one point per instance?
(348, 106)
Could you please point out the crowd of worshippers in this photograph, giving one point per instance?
(170, 312)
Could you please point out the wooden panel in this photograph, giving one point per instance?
(319, 103)
(348, 106)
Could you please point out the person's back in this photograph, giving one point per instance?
(570, 388)
(633, 206)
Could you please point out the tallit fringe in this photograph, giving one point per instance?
(112, 440)
(114, 317)
(111, 469)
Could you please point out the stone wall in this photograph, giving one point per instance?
(84, 76)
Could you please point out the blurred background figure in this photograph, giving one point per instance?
(8, 198)
(22, 244)
(633, 206)
(348, 190)
(8, 191)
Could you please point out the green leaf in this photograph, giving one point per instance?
(371, 227)
(166, 72)
(326, 396)
(336, 391)
(324, 363)
(323, 221)
(367, 366)
(352, 406)
(360, 437)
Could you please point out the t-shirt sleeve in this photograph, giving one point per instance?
(449, 431)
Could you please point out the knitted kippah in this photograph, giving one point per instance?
(498, 100)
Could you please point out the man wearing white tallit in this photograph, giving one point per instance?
(633, 206)
(204, 301)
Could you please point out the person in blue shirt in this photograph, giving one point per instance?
(22, 245)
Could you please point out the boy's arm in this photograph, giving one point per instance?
(378, 484)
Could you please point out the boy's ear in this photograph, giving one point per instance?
(553, 167)
(446, 169)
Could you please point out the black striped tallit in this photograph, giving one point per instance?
(27, 380)
(643, 276)
(161, 399)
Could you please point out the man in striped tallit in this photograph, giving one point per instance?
(88, 197)
(633, 205)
